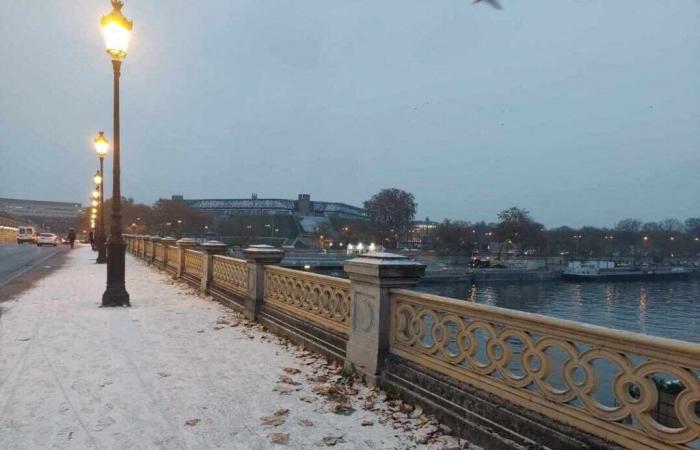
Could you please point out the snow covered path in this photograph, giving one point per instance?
(161, 374)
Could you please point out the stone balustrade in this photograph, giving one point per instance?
(502, 378)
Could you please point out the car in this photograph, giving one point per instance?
(26, 234)
(47, 239)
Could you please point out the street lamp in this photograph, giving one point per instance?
(101, 147)
(117, 30)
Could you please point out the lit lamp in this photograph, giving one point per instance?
(117, 31)
(95, 203)
(101, 148)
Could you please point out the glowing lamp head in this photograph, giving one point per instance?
(116, 30)
(94, 203)
(97, 178)
(101, 144)
(95, 194)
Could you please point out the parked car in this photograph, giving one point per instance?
(47, 239)
(26, 234)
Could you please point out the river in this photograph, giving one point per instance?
(661, 308)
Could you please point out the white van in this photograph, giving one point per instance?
(26, 234)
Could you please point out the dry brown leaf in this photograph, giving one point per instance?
(332, 440)
(272, 420)
(288, 380)
(279, 438)
(191, 422)
(306, 423)
(367, 423)
(283, 389)
(281, 412)
(291, 370)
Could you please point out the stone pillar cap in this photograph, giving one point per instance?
(169, 239)
(263, 254)
(214, 246)
(382, 267)
(156, 238)
(186, 242)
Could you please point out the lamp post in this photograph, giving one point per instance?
(101, 147)
(117, 30)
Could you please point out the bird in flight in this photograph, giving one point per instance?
(493, 3)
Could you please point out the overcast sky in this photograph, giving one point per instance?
(582, 111)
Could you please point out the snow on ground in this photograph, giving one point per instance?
(176, 370)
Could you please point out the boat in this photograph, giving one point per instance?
(608, 271)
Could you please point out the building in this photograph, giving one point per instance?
(420, 236)
(254, 206)
(56, 216)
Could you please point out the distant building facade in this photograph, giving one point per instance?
(303, 206)
(57, 216)
(420, 236)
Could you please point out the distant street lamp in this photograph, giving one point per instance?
(101, 147)
(117, 31)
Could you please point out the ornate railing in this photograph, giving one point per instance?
(172, 260)
(603, 381)
(230, 273)
(193, 263)
(320, 299)
(149, 249)
(159, 252)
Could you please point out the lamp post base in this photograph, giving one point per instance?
(101, 250)
(115, 294)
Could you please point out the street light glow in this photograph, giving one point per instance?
(101, 144)
(117, 31)
(97, 178)
(95, 194)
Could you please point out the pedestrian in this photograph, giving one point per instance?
(71, 237)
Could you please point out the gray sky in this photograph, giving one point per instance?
(582, 111)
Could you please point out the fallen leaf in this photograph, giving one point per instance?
(163, 374)
(288, 380)
(306, 398)
(306, 423)
(281, 412)
(332, 440)
(283, 389)
(367, 423)
(272, 420)
(279, 438)
(291, 370)
(191, 422)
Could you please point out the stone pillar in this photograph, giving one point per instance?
(154, 240)
(182, 245)
(210, 248)
(372, 276)
(167, 242)
(258, 256)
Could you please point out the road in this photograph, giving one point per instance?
(16, 260)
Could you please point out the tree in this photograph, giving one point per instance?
(454, 237)
(391, 211)
(517, 227)
(692, 226)
(629, 225)
(178, 218)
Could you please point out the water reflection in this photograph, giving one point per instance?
(662, 308)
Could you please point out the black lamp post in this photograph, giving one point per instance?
(117, 30)
(100, 237)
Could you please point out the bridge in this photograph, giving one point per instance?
(505, 379)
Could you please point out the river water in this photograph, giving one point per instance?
(661, 308)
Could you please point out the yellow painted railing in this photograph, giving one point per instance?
(193, 263)
(320, 299)
(173, 260)
(230, 273)
(8, 234)
(603, 381)
(159, 252)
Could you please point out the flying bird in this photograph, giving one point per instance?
(493, 3)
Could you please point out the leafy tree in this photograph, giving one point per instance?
(629, 225)
(178, 218)
(391, 211)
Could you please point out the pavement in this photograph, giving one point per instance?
(175, 371)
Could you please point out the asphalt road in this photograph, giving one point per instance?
(16, 260)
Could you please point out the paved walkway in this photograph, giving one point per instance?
(165, 374)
